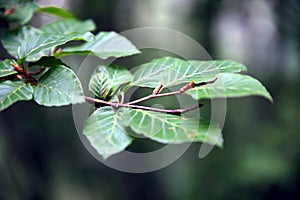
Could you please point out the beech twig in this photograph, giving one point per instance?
(119, 105)
(155, 94)
(26, 75)
(180, 91)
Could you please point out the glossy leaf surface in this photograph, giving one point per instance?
(13, 91)
(105, 132)
(105, 45)
(230, 85)
(6, 68)
(107, 79)
(166, 128)
(57, 87)
(173, 71)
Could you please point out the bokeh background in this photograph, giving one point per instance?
(42, 157)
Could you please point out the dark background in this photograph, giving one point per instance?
(42, 157)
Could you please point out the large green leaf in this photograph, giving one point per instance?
(166, 128)
(105, 132)
(230, 85)
(21, 13)
(56, 11)
(217, 66)
(66, 26)
(106, 44)
(11, 92)
(31, 44)
(173, 71)
(57, 87)
(32, 48)
(107, 79)
(12, 40)
(6, 68)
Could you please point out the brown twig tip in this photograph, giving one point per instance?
(158, 89)
(58, 50)
(22, 73)
(187, 86)
(17, 67)
(19, 76)
(9, 10)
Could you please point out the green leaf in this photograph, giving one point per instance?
(12, 40)
(107, 80)
(34, 47)
(105, 132)
(105, 45)
(217, 66)
(57, 87)
(11, 92)
(22, 12)
(6, 68)
(166, 128)
(173, 71)
(66, 26)
(47, 61)
(230, 85)
(56, 11)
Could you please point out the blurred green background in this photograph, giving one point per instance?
(42, 157)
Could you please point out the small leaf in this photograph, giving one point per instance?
(57, 87)
(230, 85)
(66, 26)
(11, 92)
(166, 128)
(56, 11)
(105, 45)
(173, 71)
(32, 48)
(6, 68)
(107, 80)
(105, 132)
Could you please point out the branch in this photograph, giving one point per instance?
(180, 91)
(118, 105)
(154, 94)
(40, 70)
(22, 73)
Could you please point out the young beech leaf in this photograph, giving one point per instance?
(105, 45)
(56, 11)
(230, 85)
(107, 79)
(105, 132)
(66, 26)
(173, 71)
(57, 87)
(31, 44)
(13, 91)
(33, 47)
(166, 128)
(12, 40)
